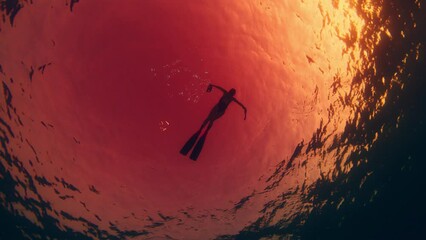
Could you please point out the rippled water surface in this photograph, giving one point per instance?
(98, 97)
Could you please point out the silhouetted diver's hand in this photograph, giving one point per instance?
(209, 88)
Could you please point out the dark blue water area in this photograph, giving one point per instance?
(380, 198)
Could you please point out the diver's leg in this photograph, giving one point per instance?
(190, 143)
(204, 124)
(197, 149)
(208, 128)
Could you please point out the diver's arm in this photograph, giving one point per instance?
(245, 109)
(220, 88)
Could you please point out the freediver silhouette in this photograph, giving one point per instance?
(217, 111)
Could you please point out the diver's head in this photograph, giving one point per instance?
(232, 91)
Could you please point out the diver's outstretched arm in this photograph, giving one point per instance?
(245, 109)
(209, 88)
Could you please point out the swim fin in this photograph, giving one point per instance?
(197, 149)
(190, 143)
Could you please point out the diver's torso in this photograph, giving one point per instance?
(224, 101)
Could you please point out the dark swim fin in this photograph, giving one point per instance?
(197, 149)
(190, 143)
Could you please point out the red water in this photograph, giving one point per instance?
(126, 89)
